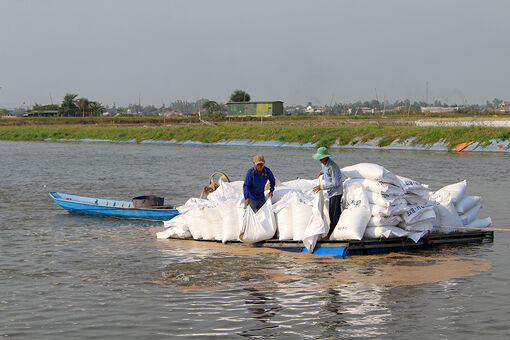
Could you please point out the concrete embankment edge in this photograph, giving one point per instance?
(495, 145)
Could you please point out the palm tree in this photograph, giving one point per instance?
(68, 106)
(83, 104)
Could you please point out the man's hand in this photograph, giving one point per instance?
(270, 194)
(247, 201)
(316, 188)
(319, 174)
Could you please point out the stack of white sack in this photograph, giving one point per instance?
(419, 214)
(294, 213)
(386, 196)
(454, 209)
(377, 204)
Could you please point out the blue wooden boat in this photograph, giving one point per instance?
(112, 208)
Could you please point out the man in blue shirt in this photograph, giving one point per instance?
(332, 185)
(255, 182)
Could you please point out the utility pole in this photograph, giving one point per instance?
(139, 102)
(427, 93)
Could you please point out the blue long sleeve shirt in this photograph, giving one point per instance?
(332, 179)
(254, 183)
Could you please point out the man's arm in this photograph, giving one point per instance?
(246, 185)
(272, 181)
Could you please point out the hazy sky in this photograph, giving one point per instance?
(295, 51)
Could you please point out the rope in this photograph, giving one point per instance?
(496, 229)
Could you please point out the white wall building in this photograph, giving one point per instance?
(504, 107)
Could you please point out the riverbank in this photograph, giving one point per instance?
(474, 138)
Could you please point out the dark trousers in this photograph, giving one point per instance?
(256, 205)
(335, 209)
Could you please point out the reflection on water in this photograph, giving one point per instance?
(354, 310)
(213, 265)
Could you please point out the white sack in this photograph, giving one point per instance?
(193, 203)
(301, 214)
(426, 225)
(317, 226)
(375, 186)
(284, 223)
(232, 191)
(232, 215)
(292, 214)
(383, 200)
(325, 210)
(197, 224)
(471, 214)
(416, 236)
(454, 191)
(447, 214)
(386, 232)
(370, 171)
(377, 210)
(214, 223)
(466, 203)
(376, 221)
(281, 193)
(377, 232)
(480, 223)
(300, 184)
(408, 184)
(175, 228)
(352, 224)
(418, 213)
(354, 219)
(425, 194)
(258, 226)
(413, 199)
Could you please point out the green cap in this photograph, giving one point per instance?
(321, 153)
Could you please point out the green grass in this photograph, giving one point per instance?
(324, 135)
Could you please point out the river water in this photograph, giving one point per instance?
(64, 276)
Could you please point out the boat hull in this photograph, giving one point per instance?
(111, 208)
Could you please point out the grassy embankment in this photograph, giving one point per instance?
(325, 134)
(389, 118)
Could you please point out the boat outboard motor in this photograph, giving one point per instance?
(148, 201)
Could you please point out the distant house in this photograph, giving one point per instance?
(314, 110)
(439, 109)
(255, 108)
(365, 109)
(504, 107)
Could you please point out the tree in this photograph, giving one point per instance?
(68, 106)
(96, 108)
(239, 96)
(496, 102)
(83, 104)
(211, 107)
(49, 107)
